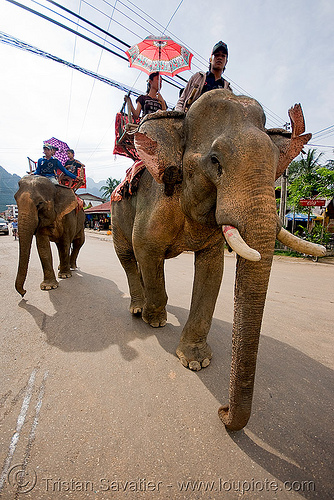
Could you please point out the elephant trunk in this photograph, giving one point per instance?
(27, 225)
(251, 285)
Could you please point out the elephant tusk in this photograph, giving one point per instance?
(299, 245)
(234, 240)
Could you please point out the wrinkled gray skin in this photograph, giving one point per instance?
(229, 163)
(47, 211)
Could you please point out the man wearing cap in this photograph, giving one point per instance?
(203, 82)
(48, 166)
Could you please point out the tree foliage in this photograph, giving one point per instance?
(308, 179)
(111, 184)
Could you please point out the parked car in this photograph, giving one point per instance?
(4, 226)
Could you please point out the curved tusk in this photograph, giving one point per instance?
(302, 246)
(233, 238)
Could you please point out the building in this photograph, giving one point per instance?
(11, 212)
(99, 216)
(90, 200)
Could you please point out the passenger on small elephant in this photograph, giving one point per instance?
(48, 166)
(72, 165)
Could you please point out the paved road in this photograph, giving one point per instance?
(94, 403)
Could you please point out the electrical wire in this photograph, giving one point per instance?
(79, 34)
(175, 11)
(14, 42)
(65, 27)
(89, 22)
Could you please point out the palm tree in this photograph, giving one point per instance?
(109, 187)
(304, 180)
(306, 168)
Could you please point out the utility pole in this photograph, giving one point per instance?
(284, 187)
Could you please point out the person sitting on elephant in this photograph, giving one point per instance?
(72, 165)
(48, 166)
(152, 101)
(202, 82)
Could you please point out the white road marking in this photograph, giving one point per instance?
(19, 425)
(35, 422)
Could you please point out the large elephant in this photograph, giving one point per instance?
(50, 212)
(215, 170)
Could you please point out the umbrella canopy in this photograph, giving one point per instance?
(62, 148)
(159, 54)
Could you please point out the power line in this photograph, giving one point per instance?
(66, 28)
(80, 35)
(14, 42)
(89, 22)
(323, 130)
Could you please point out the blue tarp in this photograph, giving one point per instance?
(300, 217)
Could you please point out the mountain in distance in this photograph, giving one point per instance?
(8, 187)
(92, 187)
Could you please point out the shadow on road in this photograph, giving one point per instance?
(289, 432)
(91, 314)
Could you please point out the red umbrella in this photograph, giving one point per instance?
(159, 54)
(61, 151)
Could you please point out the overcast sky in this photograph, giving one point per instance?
(280, 52)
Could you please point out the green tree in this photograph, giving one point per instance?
(111, 184)
(308, 179)
(303, 177)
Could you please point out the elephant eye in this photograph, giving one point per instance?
(214, 160)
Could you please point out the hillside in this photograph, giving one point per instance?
(8, 187)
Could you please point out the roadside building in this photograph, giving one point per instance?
(99, 216)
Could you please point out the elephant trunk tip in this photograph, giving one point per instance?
(232, 424)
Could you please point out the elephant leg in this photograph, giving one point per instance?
(76, 245)
(64, 260)
(193, 350)
(129, 263)
(44, 251)
(152, 271)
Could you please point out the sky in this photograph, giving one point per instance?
(280, 53)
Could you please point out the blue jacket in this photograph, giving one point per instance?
(48, 168)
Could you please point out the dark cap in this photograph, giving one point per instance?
(47, 146)
(220, 46)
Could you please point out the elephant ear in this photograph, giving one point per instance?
(64, 201)
(159, 143)
(290, 144)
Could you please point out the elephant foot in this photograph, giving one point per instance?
(49, 284)
(63, 275)
(194, 356)
(155, 319)
(136, 308)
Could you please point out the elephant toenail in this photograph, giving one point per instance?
(184, 362)
(195, 366)
(205, 362)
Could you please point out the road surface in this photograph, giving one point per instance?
(95, 404)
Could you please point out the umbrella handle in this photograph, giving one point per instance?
(124, 103)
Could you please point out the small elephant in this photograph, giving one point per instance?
(213, 173)
(50, 212)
